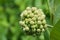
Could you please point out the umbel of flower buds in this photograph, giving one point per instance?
(33, 21)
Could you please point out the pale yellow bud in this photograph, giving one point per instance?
(40, 11)
(29, 11)
(38, 30)
(29, 19)
(36, 16)
(28, 16)
(33, 26)
(33, 18)
(36, 12)
(43, 16)
(39, 15)
(21, 15)
(44, 21)
(26, 19)
(28, 8)
(34, 29)
(41, 26)
(39, 22)
(31, 22)
(24, 29)
(34, 8)
(39, 18)
(24, 13)
(27, 28)
(43, 30)
(21, 23)
(31, 15)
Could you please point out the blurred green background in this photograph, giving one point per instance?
(10, 11)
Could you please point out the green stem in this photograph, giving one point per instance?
(51, 10)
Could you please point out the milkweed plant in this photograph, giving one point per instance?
(33, 22)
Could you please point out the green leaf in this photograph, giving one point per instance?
(18, 2)
(47, 34)
(29, 3)
(27, 37)
(57, 12)
(3, 32)
(38, 3)
(55, 33)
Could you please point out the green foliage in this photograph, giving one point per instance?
(10, 11)
(55, 33)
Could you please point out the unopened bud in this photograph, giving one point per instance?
(39, 22)
(33, 26)
(34, 30)
(26, 28)
(34, 19)
(41, 26)
(38, 30)
(31, 15)
(28, 8)
(34, 8)
(31, 22)
(44, 21)
(21, 22)
(43, 30)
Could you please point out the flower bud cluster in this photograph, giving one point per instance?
(33, 20)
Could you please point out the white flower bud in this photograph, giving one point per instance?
(34, 8)
(44, 21)
(27, 28)
(31, 22)
(40, 11)
(28, 16)
(36, 12)
(39, 22)
(34, 19)
(28, 8)
(21, 23)
(36, 16)
(29, 11)
(38, 30)
(43, 30)
(43, 16)
(29, 19)
(39, 18)
(41, 26)
(34, 30)
(39, 14)
(24, 29)
(26, 19)
(31, 15)
(24, 13)
(33, 26)
(21, 15)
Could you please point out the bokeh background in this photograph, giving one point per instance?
(10, 11)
